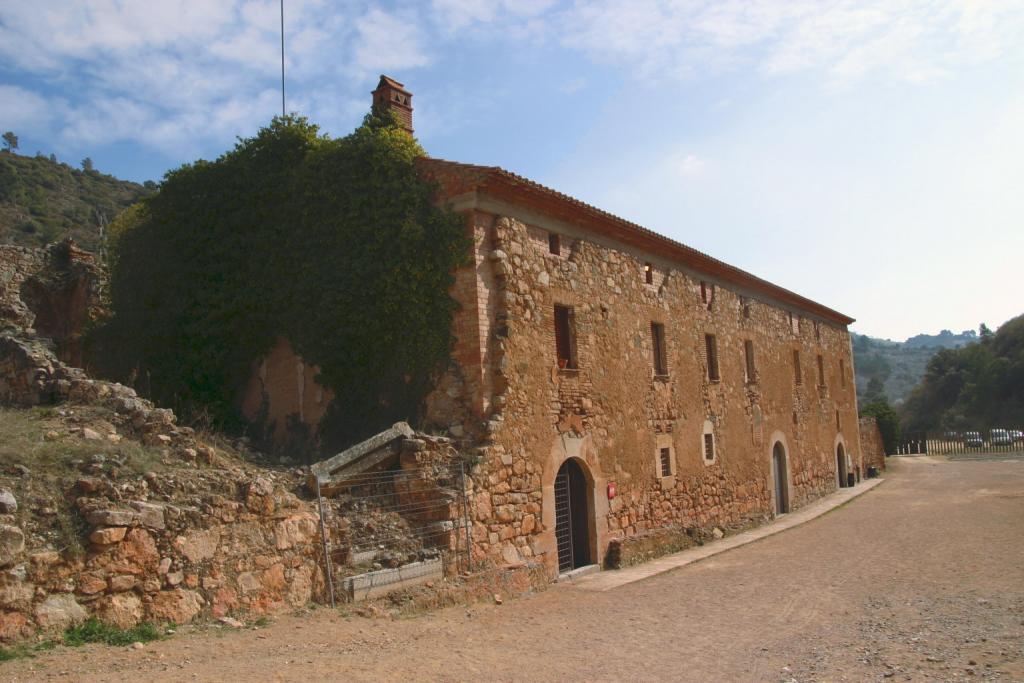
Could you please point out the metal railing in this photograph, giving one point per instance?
(968, 443)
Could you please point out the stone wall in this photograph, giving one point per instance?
(54, 291)
(872, 444)
(613, 414)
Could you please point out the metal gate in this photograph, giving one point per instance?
(398, 526)
(572, 518)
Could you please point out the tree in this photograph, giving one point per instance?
(87, 164)
(888, 422)
(875, 390)
(11, 140)
(337, 246)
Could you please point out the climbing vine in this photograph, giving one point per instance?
(334, 244)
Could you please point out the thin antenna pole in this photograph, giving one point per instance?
(282, 59)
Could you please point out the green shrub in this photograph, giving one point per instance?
(95, 631)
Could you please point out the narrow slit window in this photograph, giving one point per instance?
(842, 373)
(711, 349)
(555, 243)
(817, 331)
(745, 303)
(665, 457)
(748, 354)
(796, 368)
(707, 294)
(649, 273)
(658, 344)
(839, 425)
(564, 341)
(821, 371)
(709, 446)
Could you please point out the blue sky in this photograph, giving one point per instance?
(867, 154)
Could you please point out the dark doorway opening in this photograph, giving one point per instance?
(572, 517)
(841, 466)
(780, 479)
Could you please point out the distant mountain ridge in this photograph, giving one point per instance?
(43, 201)
(892, 369)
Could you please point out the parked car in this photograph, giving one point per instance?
(1000, 437)
(973, 439)
(951, 436)
(1018, 435)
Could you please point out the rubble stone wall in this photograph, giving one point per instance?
(613, 415)
(871, 442)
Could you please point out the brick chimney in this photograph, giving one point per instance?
(392, 95)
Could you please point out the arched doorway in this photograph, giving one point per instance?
(572, 516)
(780, 477)
(841, 465)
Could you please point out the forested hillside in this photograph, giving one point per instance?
(978, 386)
(43, 200)
(891, 369)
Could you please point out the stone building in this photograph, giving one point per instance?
(613, 381)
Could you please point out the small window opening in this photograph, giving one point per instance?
(839, 425)
(796, 368)
(565, 343)
(649, 273)
(707, 294)
(745, 304)
(658, 344)
(817, 331)
(555, 243)
(665, 457)
(842, 373)
(821, 371)
(748, 353)
(709, 446)
(711, 348)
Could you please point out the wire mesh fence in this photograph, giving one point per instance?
(964, 444)
(396, 528)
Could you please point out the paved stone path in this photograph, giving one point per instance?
(920, 579)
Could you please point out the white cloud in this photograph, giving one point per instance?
(910, 40)
(388, 41)
(24, 111)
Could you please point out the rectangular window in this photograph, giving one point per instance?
(748, 353)
(842, 373)
(554, 243)
(660, 354)
(565, 343)
(745, 304)
(665, 457)
(649, 273)
(821, 371)
(796, 368)
(711, 348)
(709, 446)
(817, 331)
(707, 294)
(839, 425)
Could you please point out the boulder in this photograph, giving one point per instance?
(8, 503)
(108, 536)
(177, 606)
(12, 544)
(123, 610)
(58, 612)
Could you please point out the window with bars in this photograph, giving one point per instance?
(797, 376)
(748, 354)
(565, 342)
(711, 351)
(665, 460)
(709, 446)
(660, 352)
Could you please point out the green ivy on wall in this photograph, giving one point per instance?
(335, 245)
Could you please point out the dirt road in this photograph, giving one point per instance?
(920, 579)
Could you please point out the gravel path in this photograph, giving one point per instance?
(919, 579)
